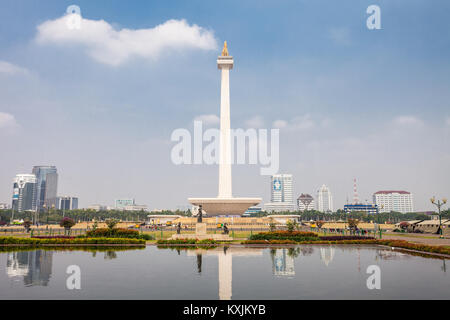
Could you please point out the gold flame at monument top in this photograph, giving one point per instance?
(225, 50)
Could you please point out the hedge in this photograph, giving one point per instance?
(35, 241)
(187, 241)
(335, 238)
(112, 233)
(285, 235)
(363, 240)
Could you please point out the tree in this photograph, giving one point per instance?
(290, 225)
(67, 223)
(272, 225)
(111, 223)
(27, 225)
(353, 224)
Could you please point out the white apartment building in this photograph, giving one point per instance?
(392, 200)
(305, 202)
(324, 199)
(281, 196)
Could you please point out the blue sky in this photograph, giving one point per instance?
(370, 104)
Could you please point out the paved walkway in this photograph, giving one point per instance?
(429, 239)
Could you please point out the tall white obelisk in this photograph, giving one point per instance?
(225, 204)
(225, 64)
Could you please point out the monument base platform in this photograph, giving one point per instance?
(200, 234)
(224, 206)
(217, 237)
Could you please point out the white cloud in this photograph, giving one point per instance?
(7, 121)
(298, 123)
(255, 122)
(280, 124)
(340, 35)
(408, 121)
(208, 119)
(113, 47)
(12, 69)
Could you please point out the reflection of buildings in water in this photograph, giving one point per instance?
(327, 255)
(282, 263)
(391, 255)
(225, 259)
(34, 266)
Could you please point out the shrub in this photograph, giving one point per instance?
(66, 223)
(111, 223)
(112, 233)
(285, 235)
(335, 238)
(27, 225)
(146, 236)
(53, 237)
(59, 241)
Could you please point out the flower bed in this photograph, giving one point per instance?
(187, 241)
(415, 246)
(334, 238)
(285, 235)
(112, 233)
(52, 237)
(76, 241)
(362, 240)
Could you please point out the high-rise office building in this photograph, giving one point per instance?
(24, 194)
(281, 198)
(67, 203)
(398, 201)
(324, 199)
(46, 187)
(120, 204)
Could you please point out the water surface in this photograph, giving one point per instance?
(304, 272)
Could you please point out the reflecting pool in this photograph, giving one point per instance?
(235, 272)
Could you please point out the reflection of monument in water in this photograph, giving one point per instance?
(34, 266)
(225, 263)
(282, 263)
(327, 255)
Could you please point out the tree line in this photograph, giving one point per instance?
(55, 216)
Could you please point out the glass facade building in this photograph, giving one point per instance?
(24, 193)
(46, 186)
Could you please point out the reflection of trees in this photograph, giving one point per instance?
(293, 252)
(306, 251)
(109, 255)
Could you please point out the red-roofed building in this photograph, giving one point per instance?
(394, 200)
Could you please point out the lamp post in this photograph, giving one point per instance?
(439, 204)
(46, 209)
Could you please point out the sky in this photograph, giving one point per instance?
(102, 101)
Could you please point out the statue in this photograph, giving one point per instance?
(200, 214)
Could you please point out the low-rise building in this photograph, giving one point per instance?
(431, 226)
(367, 208)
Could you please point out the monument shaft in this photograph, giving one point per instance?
(225, 183)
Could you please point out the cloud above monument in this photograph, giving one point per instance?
(12, 69)
(107, 45)
(7, 122)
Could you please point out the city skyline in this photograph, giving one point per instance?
(349, 102)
